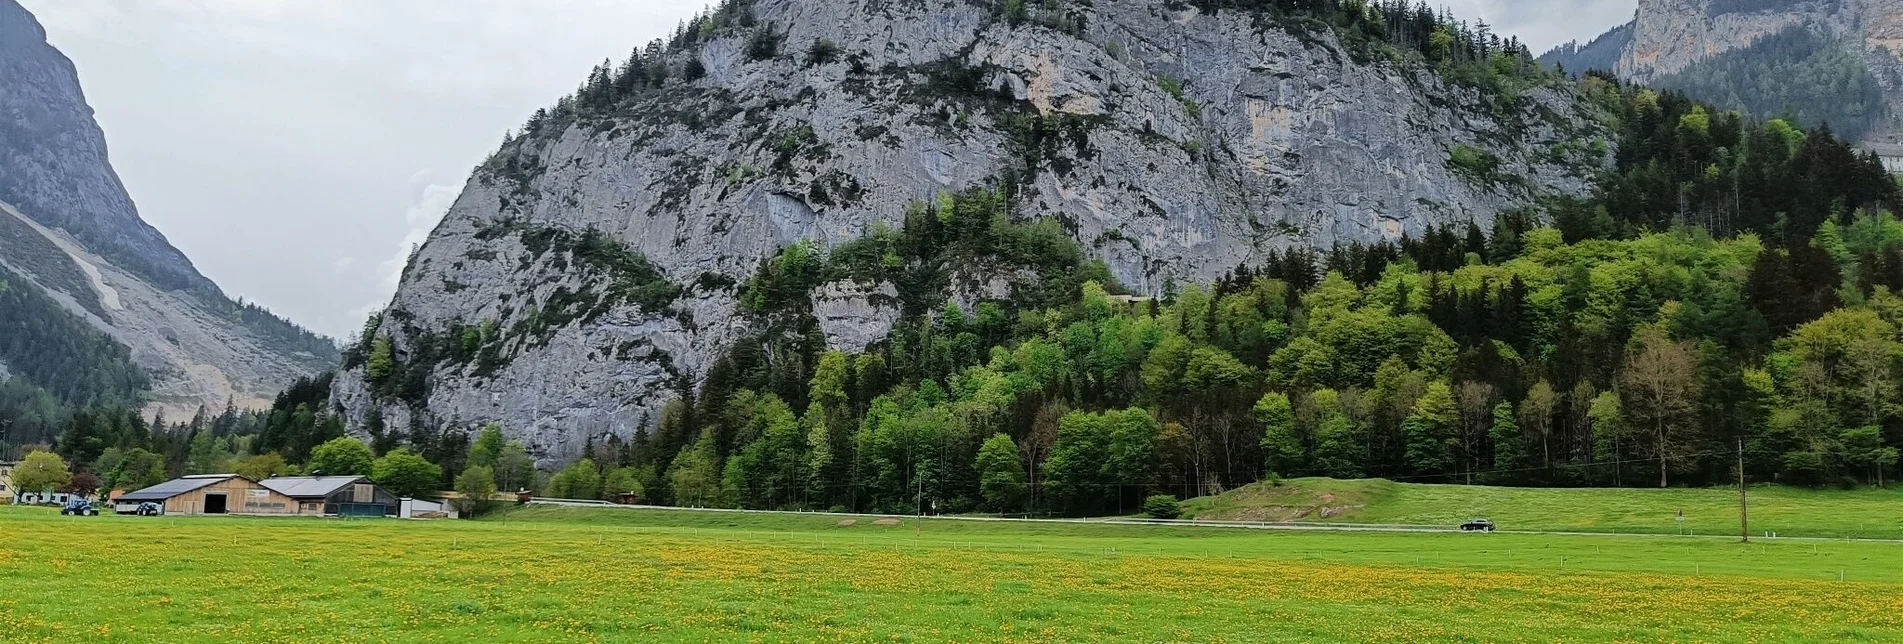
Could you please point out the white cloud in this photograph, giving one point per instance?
(293, 131)
(421, 218)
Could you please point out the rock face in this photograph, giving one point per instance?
(1667, 37)
(1670, 35)
(67, 224)
(1186, 144)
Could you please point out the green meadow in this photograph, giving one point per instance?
(551, 574)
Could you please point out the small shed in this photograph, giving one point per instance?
(210, 494)
(6, 481)
(344, 496)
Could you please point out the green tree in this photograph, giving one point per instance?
(1537, 412)
(476, 491)
(343, 456)
(1610, 437)
(771, 470)
(1432, 444)
(1099, 458)
(1863, 447)
(1282, 446)
(514, 469)
(488, 446)
(581, 480)
(1509, 445)
(41, 472)
(1339, 451)
(139, 469)
(694, 476)
(620, 481)
(205, 456)
(407, 474)
(1001, 474)
(257, 468)
(382, 361)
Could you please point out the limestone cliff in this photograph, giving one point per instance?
(1174, 144)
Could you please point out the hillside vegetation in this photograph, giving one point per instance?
(1787, 511)
(1797, 73)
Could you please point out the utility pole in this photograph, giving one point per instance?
(1744, 521)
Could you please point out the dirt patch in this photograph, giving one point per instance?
(848, 523)
(888, 521)
(1309, 501)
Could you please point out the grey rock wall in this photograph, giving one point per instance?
(1279, 140)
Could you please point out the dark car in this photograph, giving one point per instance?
(1478, 525)
(79, 508)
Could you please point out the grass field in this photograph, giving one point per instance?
(544, 574)
(1787, 511)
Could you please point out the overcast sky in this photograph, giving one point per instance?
(295, 150)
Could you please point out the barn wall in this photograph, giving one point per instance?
(241, 497)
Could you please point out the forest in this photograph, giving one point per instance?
(1796, 73)
(1729, 291)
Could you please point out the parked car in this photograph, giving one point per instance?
(79, 508)
(149, 509)
(1478, 525)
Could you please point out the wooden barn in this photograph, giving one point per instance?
(345, 496)
(210, 494)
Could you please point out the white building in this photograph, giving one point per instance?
(1890, 154)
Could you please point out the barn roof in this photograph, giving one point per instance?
(305, 487)
(176, 487)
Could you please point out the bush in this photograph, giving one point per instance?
(823, 52)
(1162, 506)
(764, 45)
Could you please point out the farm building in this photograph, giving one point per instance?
(349, 496)
(210, 494)
(6, 480)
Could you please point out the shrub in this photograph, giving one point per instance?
(823, 52)
(764, 45)
(1162, 506)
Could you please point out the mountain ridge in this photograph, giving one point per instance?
(1848, 51)
(69, 231)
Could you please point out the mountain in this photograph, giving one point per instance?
(592, 270)
(1835, 62)
(100, 308)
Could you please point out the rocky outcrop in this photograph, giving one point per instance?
(1668, 37)
(854, 316)
(1173, 144)
(69, 227)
